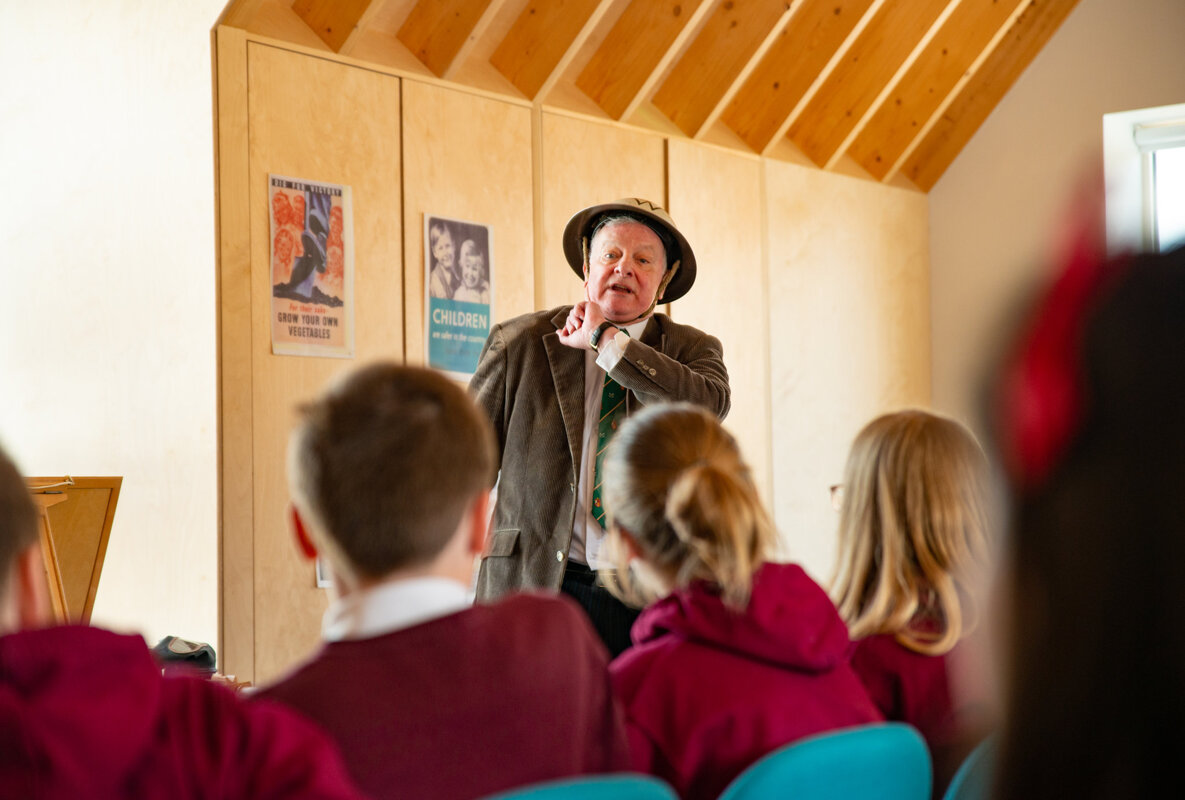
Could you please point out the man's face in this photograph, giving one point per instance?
(626, 262)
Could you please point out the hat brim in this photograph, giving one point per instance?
(583, 221)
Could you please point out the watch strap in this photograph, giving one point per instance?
(595, 337)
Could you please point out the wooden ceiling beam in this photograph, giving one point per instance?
(726, 49)
(238, 13)
(862, 76)
(955, 48)
(334, 21)
(543, 41)
(440, 32)
(760, 110)
(1028, 33)
(637, 52)
(363, 27)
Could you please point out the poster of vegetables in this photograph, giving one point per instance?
(312, 267)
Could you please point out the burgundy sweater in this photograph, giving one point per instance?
(490, 698)
(707, 690)
(86, 713)
(911, 687)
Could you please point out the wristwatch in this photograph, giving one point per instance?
(596, 335)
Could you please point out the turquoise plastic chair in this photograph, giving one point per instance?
(888, 761)
(623, 786)
(973, 780)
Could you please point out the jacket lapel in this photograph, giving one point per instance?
(567, 375)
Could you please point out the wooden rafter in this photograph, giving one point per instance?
(731, 37)
(773, 90)
(924, 88)
(1025, 38)
(544, 37)
(437, 31)
(636, 51)
(861, 77)
(334, 21)
(238, 13)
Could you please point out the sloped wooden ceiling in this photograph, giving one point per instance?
(887, 89)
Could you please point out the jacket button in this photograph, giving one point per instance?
(651, 372)
(559, 555)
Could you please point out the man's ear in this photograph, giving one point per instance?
(479, 522)
(301, 532)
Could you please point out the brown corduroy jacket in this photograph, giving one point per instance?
(532, 387)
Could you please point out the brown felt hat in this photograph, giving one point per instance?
(655, 217)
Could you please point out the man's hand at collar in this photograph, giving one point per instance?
(584, 318)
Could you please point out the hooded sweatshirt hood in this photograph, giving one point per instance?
(789, 621)
(707, 690)
(46, 677)
(86, 713)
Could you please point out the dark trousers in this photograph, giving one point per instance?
(611, 617)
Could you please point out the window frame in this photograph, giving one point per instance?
(1130, 140)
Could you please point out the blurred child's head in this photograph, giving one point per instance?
(23, 601)
(472, 264)
(385, 465)
(1090, 423)
(913, 525)
(441, 242)
(680, 497)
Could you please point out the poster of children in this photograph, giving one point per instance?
(312, 258)
(459, 290)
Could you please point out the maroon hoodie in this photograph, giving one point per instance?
(85, 713)
(708, 690)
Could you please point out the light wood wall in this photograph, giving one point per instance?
(271, 611)
(849, 334)
(716, 199)
(815, 283)
(467, 157)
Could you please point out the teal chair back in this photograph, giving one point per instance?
(888, 761)
(973, 780)
(595, 787)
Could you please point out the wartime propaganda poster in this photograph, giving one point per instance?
(459, 289)
(312, 258)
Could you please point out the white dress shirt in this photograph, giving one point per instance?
(391, 606)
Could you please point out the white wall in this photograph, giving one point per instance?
(995, 214)
(107, 230)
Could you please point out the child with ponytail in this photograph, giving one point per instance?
(913, 534)
(734, 656)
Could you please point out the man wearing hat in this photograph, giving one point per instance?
(555, 383)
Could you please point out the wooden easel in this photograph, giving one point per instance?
(75, 523)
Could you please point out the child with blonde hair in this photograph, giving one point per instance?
(474, 287)
(913, 531)
(735, 656)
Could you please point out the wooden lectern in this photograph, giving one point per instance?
(75, 522)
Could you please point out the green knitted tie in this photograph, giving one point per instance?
(612, 412)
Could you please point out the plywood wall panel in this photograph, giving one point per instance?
(330, 145)
(715, 199)
(849, 333)
(467, 157)
(236, 573)
(584, 163)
